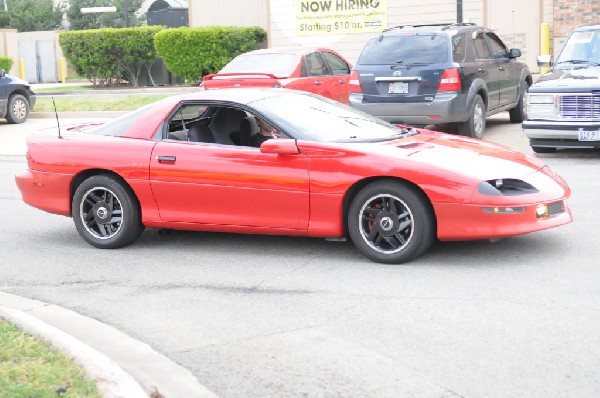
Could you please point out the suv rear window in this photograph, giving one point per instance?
(405, 49)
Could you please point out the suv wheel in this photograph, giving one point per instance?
(17, 109)
(518, 114)
(475, 125)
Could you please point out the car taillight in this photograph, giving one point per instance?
(450, 80)
(354, 83)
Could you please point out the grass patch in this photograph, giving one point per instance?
(97, 103)
(64, 89)
(32, 368)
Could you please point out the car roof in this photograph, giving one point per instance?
(241, 95)
(295, 51)
(437, 27)
(587, 27)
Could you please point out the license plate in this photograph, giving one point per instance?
(398, 88)
(589, 135)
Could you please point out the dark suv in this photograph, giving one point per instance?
(456, 74)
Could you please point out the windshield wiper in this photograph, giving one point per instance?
(578, 62)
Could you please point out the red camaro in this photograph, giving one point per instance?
(316, 70)
(330, 171)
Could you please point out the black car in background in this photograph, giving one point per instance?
(563, 106)
(454, 74)
(16, 98)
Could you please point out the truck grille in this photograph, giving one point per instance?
(579, 107)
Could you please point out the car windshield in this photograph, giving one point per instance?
(406, 49)
(581, 50)
(280, 65)
(311, 118)
(120, 125)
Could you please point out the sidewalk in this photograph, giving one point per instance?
(121, 366)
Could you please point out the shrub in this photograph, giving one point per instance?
(195, 52)
(111, 54)
(6, 63)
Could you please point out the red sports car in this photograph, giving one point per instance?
(330, 171)
(316, 70)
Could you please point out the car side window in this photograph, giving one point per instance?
(481, 48)
(316, 66)
(497, 47)
(337, 65)
(458, 47)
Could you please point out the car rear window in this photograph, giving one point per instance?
(280, 65)
(120, 125)
(405, 49)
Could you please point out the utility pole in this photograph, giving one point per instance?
(459, 11)
(126, 13)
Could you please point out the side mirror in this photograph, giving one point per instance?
(280, 146)
(544, 60)
(514, 53)
(2, 73)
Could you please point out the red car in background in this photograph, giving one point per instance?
(316, 70)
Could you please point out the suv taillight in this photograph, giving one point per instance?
(354, 83)
(450, 80)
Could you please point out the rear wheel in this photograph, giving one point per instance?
(518, 113)
(106, 212)
(17, 109)
(391, 222)
(475, 125)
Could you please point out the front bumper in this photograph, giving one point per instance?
(445, 108)
(467, 222)
(558, 134)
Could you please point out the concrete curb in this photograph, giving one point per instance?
(121, 366)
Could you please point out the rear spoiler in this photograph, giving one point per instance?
(259, 75)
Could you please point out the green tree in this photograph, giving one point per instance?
(31, 15)
(79, 21)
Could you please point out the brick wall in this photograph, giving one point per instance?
(569, 14)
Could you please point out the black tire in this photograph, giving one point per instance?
(518, 113)
(106, 212)
(475, 125)
(17, 109)
(543, 149)
(403, 225)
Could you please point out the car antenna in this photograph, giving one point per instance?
(56, 113)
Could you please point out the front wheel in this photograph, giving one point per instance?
(391, 222)
(106, 212)
(17, 109)
(475, 125)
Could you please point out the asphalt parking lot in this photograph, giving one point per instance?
(282, 316)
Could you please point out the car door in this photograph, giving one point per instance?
(317, 78)
(218, 184)
(341, 74)
(509, 70)
(487, 69)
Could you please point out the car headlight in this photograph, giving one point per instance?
(540, 99)
(505, 187)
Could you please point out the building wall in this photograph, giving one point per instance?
(516, 21)
(229, 13)
(399, 12)
(569, 14)
(9, 47)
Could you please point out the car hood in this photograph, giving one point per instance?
(456, 155)
(578, 79)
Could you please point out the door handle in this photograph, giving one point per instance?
(318, 83)
(481, 70)
(501, 68)
(166, 159)
(342, 81)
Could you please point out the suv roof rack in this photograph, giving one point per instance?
(444, 25)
